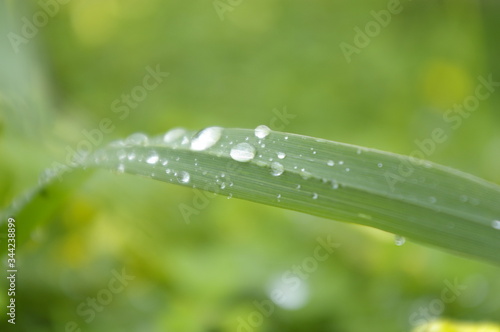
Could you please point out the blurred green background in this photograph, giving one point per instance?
(237, 64)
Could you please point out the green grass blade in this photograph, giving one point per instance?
(417, 199)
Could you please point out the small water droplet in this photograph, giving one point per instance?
(262, 131)
(153, 158)
(286, 137)
(496, 224)
(229, 196)
(281, 155)
(305, 174)
(358, 151)
(223, 185)
(399, 240)
(182, 177)
(165, 162)
(341, 162)
(432, 199)
(335, 185)
(330, 163)
(131, 156)
(173, 135)
(315, 196)
(276, 169)
(347, 169)
(278, 197)
(137, 139)
(206, 138)
(242, 152)
(262, 145)
(380, 165)
(298, 186)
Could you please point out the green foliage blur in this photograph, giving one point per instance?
(377, 73)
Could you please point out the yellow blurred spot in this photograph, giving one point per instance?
(94, 21)
(447, 326)
(444, 84)
(72, 250)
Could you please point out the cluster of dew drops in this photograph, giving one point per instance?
(205, 139)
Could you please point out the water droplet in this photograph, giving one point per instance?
(153, 158)
(330, 163)
(315, 196)
(131, 156)
(137, 139)
(229, 196)
(432, 199)
(262, 145)
(347, 169)
(262, 131)
(341, 162)
(298, 186)
(278, 197)
(399, 240)
(277, 169)
(242, 152)
(496, 224)
(281, 155)
(206, 138)
(223, 185)
(358, 151)
(305, 174)
(182, 177)
(335, 185)
(173, 135)
(286, 137)
(380, 165)
(121, 168)
(165, 162)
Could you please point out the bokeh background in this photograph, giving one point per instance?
(238, 64)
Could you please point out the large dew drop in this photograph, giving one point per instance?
(276, 169)
(262, 131)
(206, 138)
(281, 155)
(242, 152)
(173, 135)
(496, 224)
